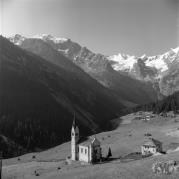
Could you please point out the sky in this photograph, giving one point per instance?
(135, 27)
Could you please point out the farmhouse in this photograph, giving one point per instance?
(152, 146)
(171, 114)
(88, 151)
(144, 116)
(147, 118)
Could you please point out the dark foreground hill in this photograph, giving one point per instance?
(38, 99)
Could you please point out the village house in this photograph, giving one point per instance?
(171, 114)
(152, 146)
(163, 114)
(144, 116)
(87, 151)
(147, 118)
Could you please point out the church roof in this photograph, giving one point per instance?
(89, 141)
(152, 142)
(86, 143)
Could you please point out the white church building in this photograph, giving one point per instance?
(87, 151)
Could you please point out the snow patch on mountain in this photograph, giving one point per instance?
(157, 63)
(123, 62)
(17, 39)
(50, 37)
(176, 50)
(64, 51)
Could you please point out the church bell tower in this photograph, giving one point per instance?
(74, 140)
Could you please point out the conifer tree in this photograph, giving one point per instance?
(109, 153)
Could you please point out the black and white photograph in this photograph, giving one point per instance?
(89, 89)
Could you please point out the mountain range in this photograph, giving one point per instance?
(130, 90)
(160, 69)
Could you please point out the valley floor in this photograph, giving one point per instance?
(124, 140)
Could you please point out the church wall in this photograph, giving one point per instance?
(84, 153)
(96, 153)
(90, 153)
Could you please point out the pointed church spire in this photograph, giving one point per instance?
(74, 121)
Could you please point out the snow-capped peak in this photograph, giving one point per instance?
(143, 56)
(175, 50)
(17, 39)
(123, 62)
(42, 36)
(50, 37)
(159, 62)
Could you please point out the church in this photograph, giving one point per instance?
(87, 151)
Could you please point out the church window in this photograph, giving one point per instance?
(85, 151)
(81, 150)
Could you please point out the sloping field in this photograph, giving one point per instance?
(125, 140)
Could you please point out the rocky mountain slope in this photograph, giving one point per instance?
(38, 99)
(162, 69)
(131, 91)
(154, 71)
